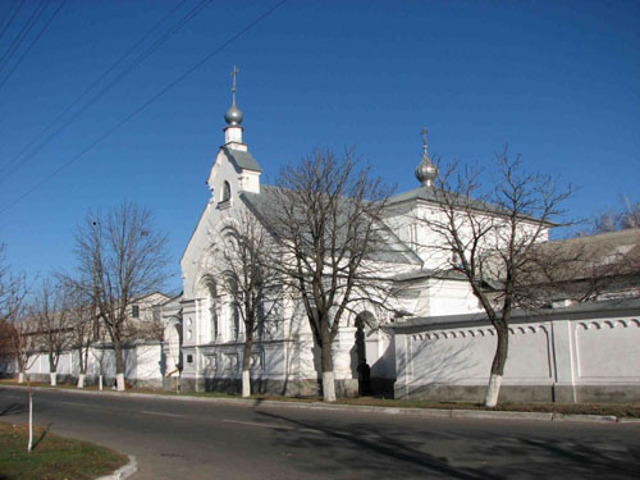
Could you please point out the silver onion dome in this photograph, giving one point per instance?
(233, 116)
(426, 171)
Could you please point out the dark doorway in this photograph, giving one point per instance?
(363, 368)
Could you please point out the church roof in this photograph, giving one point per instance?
(244, 160)
(264, 204)
(435, 195)
(592, 257)
(622, 307)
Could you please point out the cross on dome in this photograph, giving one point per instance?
(234, 74)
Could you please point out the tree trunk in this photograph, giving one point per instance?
(53, 367)
(100, 382)
(120, 385)
(246, 367)
(81, 380)
(83, 354)
(21, 377)
(328, 379)
(497, 367)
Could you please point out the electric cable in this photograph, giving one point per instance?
(33, 42)
(11, 17)
(12, 166)
(17, 41)
(144, 105)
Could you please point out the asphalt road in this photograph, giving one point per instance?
(174, 439)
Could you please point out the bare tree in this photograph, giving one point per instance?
(82, 318)
(6, 332)
(490, 236)
(23, 340)
(51, 315)
(251, 280)
(326, 216)
(120, 257)
(18, 340)
(148, 328)
(625, 218)
(11, 296)
(588, 268)
(13, 289)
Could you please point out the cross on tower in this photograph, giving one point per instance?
(234, 73)
(424, 132)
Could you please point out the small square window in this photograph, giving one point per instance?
(135, 311)
(189, 358)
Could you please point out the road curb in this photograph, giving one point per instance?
(417, 412)
(123, 472)
(629, 420)
(502, 415)
(563, 417)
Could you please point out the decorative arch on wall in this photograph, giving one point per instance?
(209, 298)
(233, 309)
(609, 324)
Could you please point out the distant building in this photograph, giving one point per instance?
(144, 318)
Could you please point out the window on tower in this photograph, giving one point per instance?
(226, 192)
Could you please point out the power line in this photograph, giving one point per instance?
(13, 166)
(26, 28)
(33, 42)
(81, 96)
(144, 106)
(11, 17)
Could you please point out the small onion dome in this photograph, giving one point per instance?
(233, 116)
(426, 171)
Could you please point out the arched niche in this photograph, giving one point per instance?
(209, 305)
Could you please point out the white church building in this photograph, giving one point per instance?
(433, 342)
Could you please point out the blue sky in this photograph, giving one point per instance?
(559, 82)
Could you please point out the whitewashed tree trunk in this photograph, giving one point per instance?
(100, 382)
(120, 385)
(81, 380)
(53, 376)
(328, 387)
(246, 383)
(20, 377)
(493, 391)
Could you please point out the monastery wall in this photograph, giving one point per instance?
(574, 358)
(144, 366)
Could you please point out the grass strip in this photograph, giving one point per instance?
(53, 457)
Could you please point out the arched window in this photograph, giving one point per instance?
(233, 310)
(213, 309)
(226, 192)
(207, 294)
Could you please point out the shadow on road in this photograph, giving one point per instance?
(388, 450)
(12, 409)
(384, 450)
